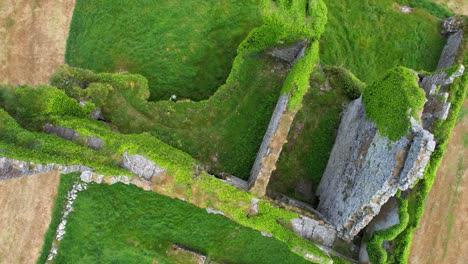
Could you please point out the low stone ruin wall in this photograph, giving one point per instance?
(278, 128)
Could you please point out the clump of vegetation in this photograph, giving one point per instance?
(365, 37)
(341, 78)
(33, 106)
(392, 100)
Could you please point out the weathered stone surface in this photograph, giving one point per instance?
(253, 210)
(10, 168)
(213, 211)
(387, 218)
(70, 134)
(63, 132)
(196, 258)
(141, 166)
(365, 169)
(450, 51)
(94, 143)
(236, 182)
(96, 115)
(290, 54)
(434, 85)
(452, 24)
(314, 230)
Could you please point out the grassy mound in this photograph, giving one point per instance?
(391, 100)
(124, 224)
(183, 47)
(371, 37)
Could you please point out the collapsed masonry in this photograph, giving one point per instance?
(365, 169)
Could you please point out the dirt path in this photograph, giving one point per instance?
(25, 212)
(33, 36)
(442, 235)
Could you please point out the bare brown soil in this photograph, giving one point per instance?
(443, 232)
(458, 6)
(33, 36)
(26, 205)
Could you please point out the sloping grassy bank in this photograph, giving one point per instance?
(371, 37)
(182, 47)
(224, 131)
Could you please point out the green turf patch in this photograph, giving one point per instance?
(370, 37)
(183, 47)
(392, 100)
(123, 224)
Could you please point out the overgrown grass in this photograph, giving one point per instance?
(392, 99)
(224, 131)
(65, 185)
(123, 224)
(371, 37)
(182, 47)
(181, 180)
(313, 133)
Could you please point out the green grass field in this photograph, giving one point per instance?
(183, 47)
(124, 224)
(370, 37)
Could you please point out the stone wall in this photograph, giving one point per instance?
(10, 168)
(270, 148)
(366, 169)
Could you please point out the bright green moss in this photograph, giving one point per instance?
(392, 100)
(33, 106)
(377, 254)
